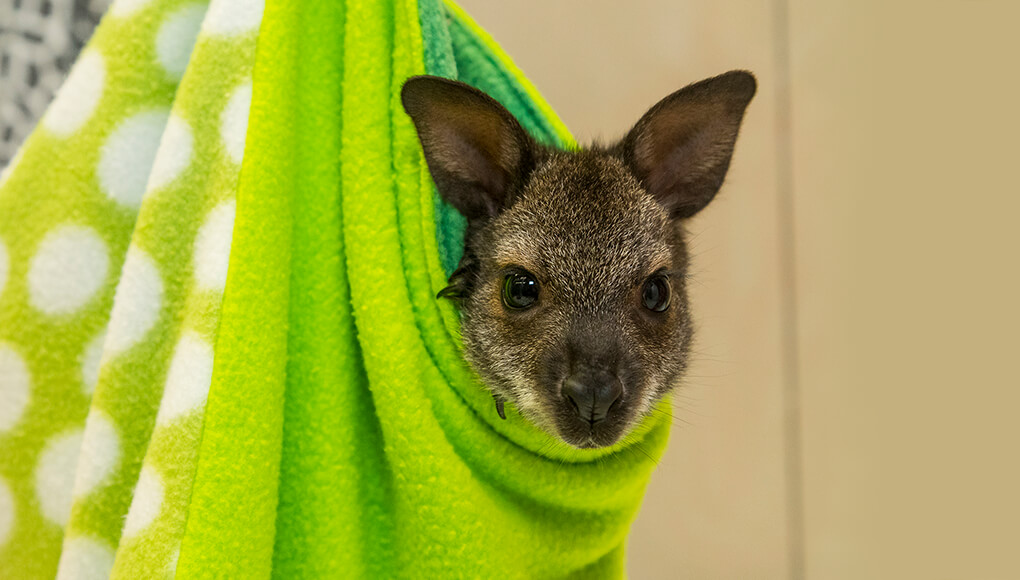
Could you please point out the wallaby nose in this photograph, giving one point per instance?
(592, 393)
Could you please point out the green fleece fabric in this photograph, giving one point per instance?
(305, 412)
(116, 222)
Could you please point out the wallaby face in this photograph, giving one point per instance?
(572, 288)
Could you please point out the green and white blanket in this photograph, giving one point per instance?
(221, 355)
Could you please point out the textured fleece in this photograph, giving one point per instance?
(185, 393)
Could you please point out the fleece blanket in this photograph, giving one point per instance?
(221, 354)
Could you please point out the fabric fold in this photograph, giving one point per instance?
(221, 351)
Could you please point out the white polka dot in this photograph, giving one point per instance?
(230, 17)
(177, 37)
(212, 247)
(123, 8)
(6, 512)
(171, 566)
(85, 559)
(90, 361)
(54, 477)
(4, 266)
(100, 454)
(234, 124)
(187, 382)
(6, 173)
(147, 502)
(15, 387)
(174, 153)
(67, 270)
(77, 98)
(137, 305)
(127, 156)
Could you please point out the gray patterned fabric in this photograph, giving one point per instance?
(39, 40)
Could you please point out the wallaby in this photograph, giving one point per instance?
(572, 287)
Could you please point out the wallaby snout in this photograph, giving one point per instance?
(592, 393)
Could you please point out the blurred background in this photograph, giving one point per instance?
(39, 41)
(853, 409)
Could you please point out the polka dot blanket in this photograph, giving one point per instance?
(221, 354)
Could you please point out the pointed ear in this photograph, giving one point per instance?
(476, 150)
(681, 148)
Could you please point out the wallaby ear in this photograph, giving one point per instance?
(475, 149)
(681, 148)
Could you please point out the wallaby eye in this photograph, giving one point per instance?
(520, 290)
(655, 294)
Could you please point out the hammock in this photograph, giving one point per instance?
(221, 355)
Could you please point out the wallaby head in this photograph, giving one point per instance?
(572, 288)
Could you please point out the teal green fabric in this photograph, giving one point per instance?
(455, 47)
(221, 354)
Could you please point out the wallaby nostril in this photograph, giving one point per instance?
(592, 394)
(573, 404)
(578, 395)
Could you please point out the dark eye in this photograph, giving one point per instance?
(520, 290)
(655, 294)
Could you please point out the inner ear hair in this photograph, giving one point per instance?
(476, 150)
(681, 148)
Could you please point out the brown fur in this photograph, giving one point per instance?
(592, 226)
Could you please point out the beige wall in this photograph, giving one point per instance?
(853, 410)
(906, 203)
